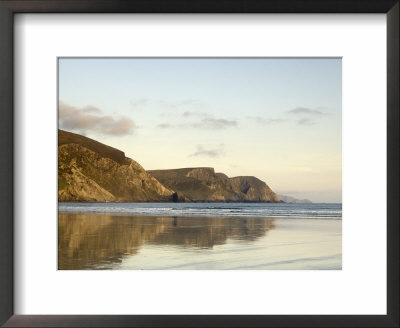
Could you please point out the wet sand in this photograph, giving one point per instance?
(131, 242)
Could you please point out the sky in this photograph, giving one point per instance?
(277, 119)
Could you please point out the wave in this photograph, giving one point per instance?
(261, 210)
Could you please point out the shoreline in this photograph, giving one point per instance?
(308, 218)
(232, 210)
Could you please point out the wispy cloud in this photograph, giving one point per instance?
(139, 103)
(185, 104)
(181, 104)
(194, 114)
(91, 109)
(266, 121)
(206, 123)
(215, 123)
(305, 111)
(306, 116)
(204, 152)
(305, 121)
(90, 119)
(164, 126)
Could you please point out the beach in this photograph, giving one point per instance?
(241, 240)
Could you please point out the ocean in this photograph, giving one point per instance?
(199, 236)
(256, 210)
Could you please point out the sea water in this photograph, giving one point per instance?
(256, 210)
(200, 236)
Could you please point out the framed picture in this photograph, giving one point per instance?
(186, 163)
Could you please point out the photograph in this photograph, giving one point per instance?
(196, 145)
(199, 163)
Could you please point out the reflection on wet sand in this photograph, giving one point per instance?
(93, 241)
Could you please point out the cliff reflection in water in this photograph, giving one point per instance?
(97, 241)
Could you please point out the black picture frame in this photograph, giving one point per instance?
(10, 7)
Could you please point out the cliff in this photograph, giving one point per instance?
(204, 185)
(90, 171)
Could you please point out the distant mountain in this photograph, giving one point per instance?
(289, 199)
(90, 171)
(202, 184)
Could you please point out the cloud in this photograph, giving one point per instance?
(213, 153)
(304, 115)
(214, 123)
(266, 121)
(165, 126)
(182, 104)
(89, 119)
(91, 109)
(194, 114)
(207, 123)
(305, 111)
(305, 121)
(138, 103)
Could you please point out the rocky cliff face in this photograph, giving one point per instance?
(92, 172)
(204, 185)
(253, 189)
(89, 171)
